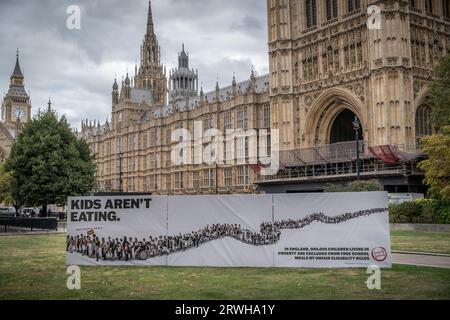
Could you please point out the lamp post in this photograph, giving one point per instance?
(356, 127)
(120, 168)
(108, 186)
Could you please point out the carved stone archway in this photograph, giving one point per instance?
(324, 111)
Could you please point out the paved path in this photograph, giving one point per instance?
(421, 260)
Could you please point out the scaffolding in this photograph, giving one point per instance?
(331, 153)
(334, 162)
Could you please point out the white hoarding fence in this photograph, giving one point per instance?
(286, 230)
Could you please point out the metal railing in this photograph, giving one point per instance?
(337, 152)
(25, 224)
(368, 168)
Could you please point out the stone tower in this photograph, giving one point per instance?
(327, 66)
(183, 82)
(151, 74)
(16, 103)
(16, 111)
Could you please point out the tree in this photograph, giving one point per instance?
(48, 163)
(5, 186)
(440, 94)
(437, 166)
(437, 147)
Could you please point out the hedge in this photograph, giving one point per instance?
(420, 211)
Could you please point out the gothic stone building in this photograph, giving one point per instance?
(133, 150)
(327, 68)
(16, 111)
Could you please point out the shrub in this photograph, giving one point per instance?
(420, 211)
(356, 186)
(428, 212)
(406, 212)
(442, 211)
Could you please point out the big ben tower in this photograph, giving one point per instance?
(16, 103)
(16, 111)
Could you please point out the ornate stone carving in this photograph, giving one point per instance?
(308, 100)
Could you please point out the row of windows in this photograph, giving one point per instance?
(431, 8)
(279, 21)
(238, 153)
(204, 179)
(331, 8)
(150, 139)
(208, 179)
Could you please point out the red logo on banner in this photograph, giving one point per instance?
(379, 254)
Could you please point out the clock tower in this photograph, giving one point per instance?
(16, 108)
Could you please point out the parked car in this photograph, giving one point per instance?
(29, 212)
(7, 212)
(57, 214)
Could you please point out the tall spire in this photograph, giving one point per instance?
(150, 30)
(17, 72)
(151, 71)
(183, 59)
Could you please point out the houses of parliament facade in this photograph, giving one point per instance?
(326, 69)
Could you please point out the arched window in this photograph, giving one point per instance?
(445, 8)
(311, 13)
(353, 5)
(429, 6)
(423, 122)
(332, 9)
(2, 156)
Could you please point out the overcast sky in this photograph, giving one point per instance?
(76, 68)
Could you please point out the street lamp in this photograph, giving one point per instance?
(356, 127)
(120, 168)
(108, 186)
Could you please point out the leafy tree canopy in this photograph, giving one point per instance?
(437, 166)
(440, 94)
(48, 163)
(437, 147)
(5, 186)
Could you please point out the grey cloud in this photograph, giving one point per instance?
(76, 68)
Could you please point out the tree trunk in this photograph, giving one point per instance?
(44, 210)
(17, 207)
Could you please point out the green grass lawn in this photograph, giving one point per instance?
(421, 241)
(33, 267)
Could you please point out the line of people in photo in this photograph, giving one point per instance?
(132, 248)
(321, 217)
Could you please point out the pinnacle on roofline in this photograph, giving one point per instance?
(150, 29)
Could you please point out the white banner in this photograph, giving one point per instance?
(282, 230)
